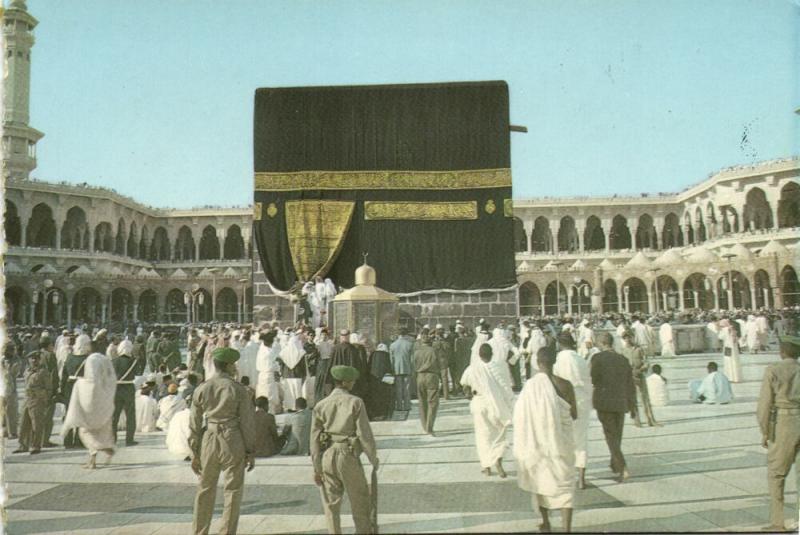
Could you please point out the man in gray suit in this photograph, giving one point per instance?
(401, 353)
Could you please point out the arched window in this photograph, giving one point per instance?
(234, 243)
(41, 230)
(567, 235)
(610, 299)
(75, 231)
(104, 238)
(520, 237)
(132, 247)
(620, 235)
(542, 238)
(646, 235)
(594, 239)
(672, 235)
(789, 206)
(634, 293)
(159, 247)
(209, 244)
(184, 245)
(121, 238)
(790, 288)
(697, 292)
(12, 224)
(530, 300)
(757, 212)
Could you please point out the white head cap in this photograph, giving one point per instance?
(125, 348)
(382, 347)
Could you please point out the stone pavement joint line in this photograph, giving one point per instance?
(703, 471)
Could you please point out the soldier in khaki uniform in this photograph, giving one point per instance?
(426, 364)
(226, 445)
(779, 419)
(38, 393)
(340, 432)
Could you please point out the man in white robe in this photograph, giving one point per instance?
(544, 442)
(585, 337)
(91, 407)
(730, 350)
(169, 406)
(249, 353)
(762, 323)
(268, 384)
(501, 347)
(491, 402)
(572, 367)
(657, 388)
(642, 335)
(146, 411)
(178, 435)
(667, 339)
(712, 335)
(63, 350)
(529, 349)
(713, 389)
(752, 334)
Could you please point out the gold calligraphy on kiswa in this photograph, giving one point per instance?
(383, 180)
(420, 211)
(316, 231)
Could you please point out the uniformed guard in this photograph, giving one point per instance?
(426, 364)
(226, 444)
(38, 392)
(49, 361)
(125, 367)
(779, 419)
(340, 432)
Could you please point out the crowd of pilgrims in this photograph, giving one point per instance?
(151, 374)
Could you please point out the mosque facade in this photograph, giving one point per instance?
(80, 253)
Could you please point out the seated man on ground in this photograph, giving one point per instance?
(268, 443)
(146, 410)
(657, 387)
(714, 388)
(169, 406)
(297, 431)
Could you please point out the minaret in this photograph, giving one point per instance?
(19, 139)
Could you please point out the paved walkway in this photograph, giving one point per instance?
(703, 471)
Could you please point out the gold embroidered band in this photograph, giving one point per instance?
(430, 211)
(508, 207)
(383, 180)
(316, 231)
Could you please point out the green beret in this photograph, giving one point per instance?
(225, 354)
(791, 345)
(344, 373)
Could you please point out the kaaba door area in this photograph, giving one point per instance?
(416, 177)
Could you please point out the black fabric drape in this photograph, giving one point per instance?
(431, 127)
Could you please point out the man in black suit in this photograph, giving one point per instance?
(614, 395)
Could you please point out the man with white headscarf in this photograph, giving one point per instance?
(584, 334)
(169, 406)
(752, 335)
(72, 369)
(268, 384)
(572, 367)
(249, 353)
(501, 347)
(667, 339)
(729, 335)
(293, 369)
(544, 441)
(91, 407)
(63, 349)
(491, 402)
(146, 410)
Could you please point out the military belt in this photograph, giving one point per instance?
(221, 426)
(793, 411)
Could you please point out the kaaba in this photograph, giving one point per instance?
(416, 176)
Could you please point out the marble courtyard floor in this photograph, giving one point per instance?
(703, 471)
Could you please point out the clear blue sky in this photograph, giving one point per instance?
(155, 98)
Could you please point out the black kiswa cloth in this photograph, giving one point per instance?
(451, 140)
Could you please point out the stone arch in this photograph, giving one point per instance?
(75, 231)
(520, 237)
(132, 247)
(204, 307)
(764, 297)
(542, 237)
(50, 308)
(594, 238)
(17, 302)
(697, 292)
(148, 306)
(87, 306)
(553, 295)
(144, 241)
(184, 244)
(634, 293)
(530, 299)
(104, 237)
(41, 231)
(757, 212)
(666, 293)
(646, 234)
(790, 288)
(741, 290)
(671, 236)
(227, 305)
(610, 298)
(159, 246)
(121, 238)
(700, 226)
(12, 224)
(567, 234)
(789, 206)
(620, 234)
(233, 248)
(209, 244)
(580, 297)
(730, 219)
(687, 225)
(121, 305)
(175, 310)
